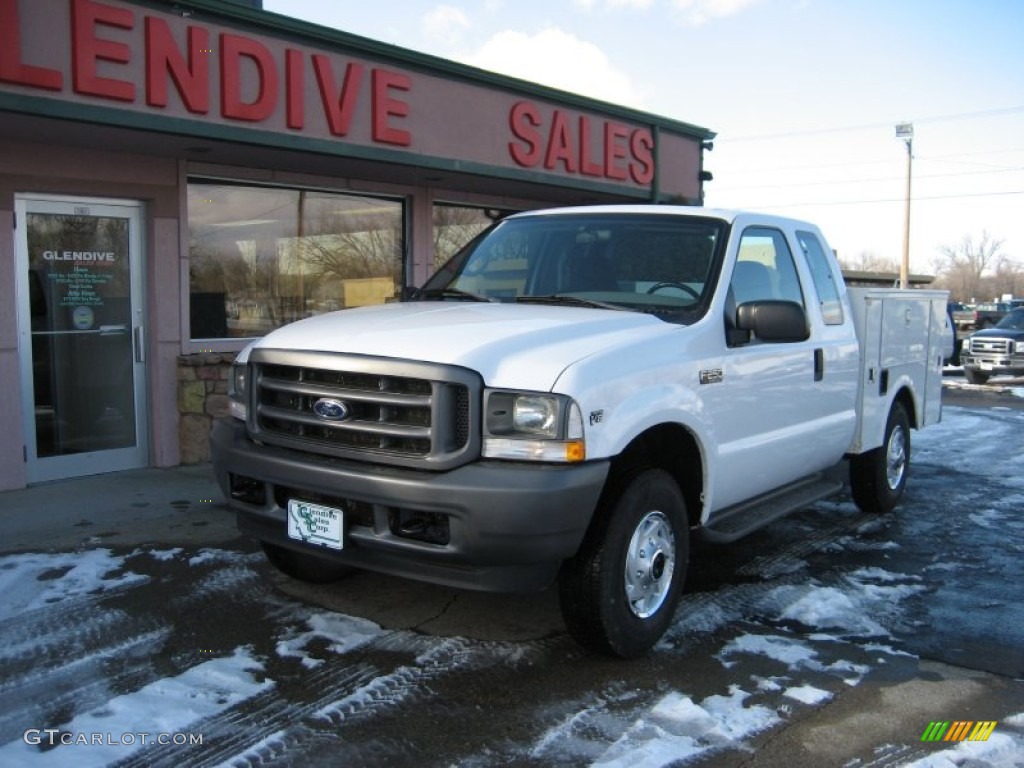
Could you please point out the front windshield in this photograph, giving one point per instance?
(1013, 321)
(657, 263)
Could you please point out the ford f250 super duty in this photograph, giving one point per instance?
(573, 396)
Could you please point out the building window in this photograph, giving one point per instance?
(261, 257)
(454, 226)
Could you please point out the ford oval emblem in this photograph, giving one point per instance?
(330, 410)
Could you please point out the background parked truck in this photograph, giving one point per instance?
(572, 397)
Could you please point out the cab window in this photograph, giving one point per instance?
(765, 269)
(824, 280)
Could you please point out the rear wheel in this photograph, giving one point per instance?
(619, 593)
(878, 477)
(304, 567)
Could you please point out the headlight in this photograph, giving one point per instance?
(1018, 347)
(535, 415)
(237, 391)
(527, 426)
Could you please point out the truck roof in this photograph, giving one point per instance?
(726, 214)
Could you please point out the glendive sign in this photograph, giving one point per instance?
(116, 55)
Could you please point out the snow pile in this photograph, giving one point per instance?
(790, 651)
(32, 581)
(341, 633)
(1000, 751)
(807, 694)
(164, 708)
(854, 609)
(676, 728)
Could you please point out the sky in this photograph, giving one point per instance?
(804, 96)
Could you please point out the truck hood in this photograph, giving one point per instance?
(999, 333)
(516, 346)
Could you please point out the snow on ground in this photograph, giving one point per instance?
(160, 712)
(676, 729)
(342, 633)
(32, 581)
(1000, 751)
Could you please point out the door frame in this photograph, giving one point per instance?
(42, 469)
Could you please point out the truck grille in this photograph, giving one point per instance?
(991, 346)
(374, 409)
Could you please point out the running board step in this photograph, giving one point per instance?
(736, 522)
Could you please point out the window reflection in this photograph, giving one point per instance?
(454, 226)
(261, 257)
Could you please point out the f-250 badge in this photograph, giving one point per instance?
(711, 376)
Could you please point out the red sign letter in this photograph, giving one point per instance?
(294, 77)
(615, 151)
(232, 49)
(587, 166)
(642, 145)
(560, 145)
(338, 107)
(11, 68)
(523, 120)
(385, 107)
(163, 58)
(87, 49)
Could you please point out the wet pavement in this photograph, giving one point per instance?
(830, 638)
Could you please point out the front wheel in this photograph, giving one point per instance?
(308, 568)
(619, 592)
(974, 376)
(878, 477)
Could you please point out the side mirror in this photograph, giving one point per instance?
(778, 321)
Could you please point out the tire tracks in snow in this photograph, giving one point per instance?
(74, 655)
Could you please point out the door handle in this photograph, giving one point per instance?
(819, 364)
(109, 330)
(140, 345)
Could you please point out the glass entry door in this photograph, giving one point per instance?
(81, 336)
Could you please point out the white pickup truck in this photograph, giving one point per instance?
(573, 396)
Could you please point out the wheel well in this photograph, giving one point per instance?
(670, 447)
(904, 398)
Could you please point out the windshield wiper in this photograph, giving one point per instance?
(452, 293)
(563, 299)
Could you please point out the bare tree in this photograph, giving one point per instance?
(870, 262)
(964, 265)
(454, 226)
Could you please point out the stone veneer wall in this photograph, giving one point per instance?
(202, 397)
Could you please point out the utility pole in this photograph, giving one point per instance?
(905, 131)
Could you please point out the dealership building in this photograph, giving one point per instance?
(177, 178)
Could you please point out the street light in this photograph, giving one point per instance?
(905, 131)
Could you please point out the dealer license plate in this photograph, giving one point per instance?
(316, 524)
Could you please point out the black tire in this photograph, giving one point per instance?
(593, 585)
(304, 567)
(975, 377)
(878, 477)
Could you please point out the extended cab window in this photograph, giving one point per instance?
(824, 280)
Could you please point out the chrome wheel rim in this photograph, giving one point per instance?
(896, 458)
(650, 563)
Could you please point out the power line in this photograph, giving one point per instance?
(866, 126)
(885, 200)
(873, 180)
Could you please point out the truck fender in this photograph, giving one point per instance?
(649, 416)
